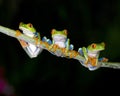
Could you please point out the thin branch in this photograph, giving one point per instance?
(12, 33)
(115, 65)
(61, 52)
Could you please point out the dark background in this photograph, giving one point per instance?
(87, 21)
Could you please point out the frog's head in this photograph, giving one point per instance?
(59, 36)
(96, 47)
(26, 27)
(55, 32)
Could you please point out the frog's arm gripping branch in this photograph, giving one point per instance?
(56, 50)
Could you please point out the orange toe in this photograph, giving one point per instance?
(23, 43)
(18, 33)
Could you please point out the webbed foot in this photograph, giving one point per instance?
(18, 33)
(36, 40)
(23, 43)
(93, 61)
(103, 59)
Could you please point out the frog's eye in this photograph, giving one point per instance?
(30, 25)
(65, 31)
(53, 31)
(93, 45)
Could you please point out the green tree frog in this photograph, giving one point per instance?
(91, 54)
(60, 39)
(29, 30)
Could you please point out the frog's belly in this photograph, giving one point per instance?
(60, 44)
(92, 54)
(32, 48)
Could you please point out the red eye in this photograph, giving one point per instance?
(65, 31)
(29, 24)
(53, 31)
(93, 45)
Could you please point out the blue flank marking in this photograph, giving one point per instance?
(80, 51)
(49, 41)
(100, 59)
(36, 34)
(44, 39)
